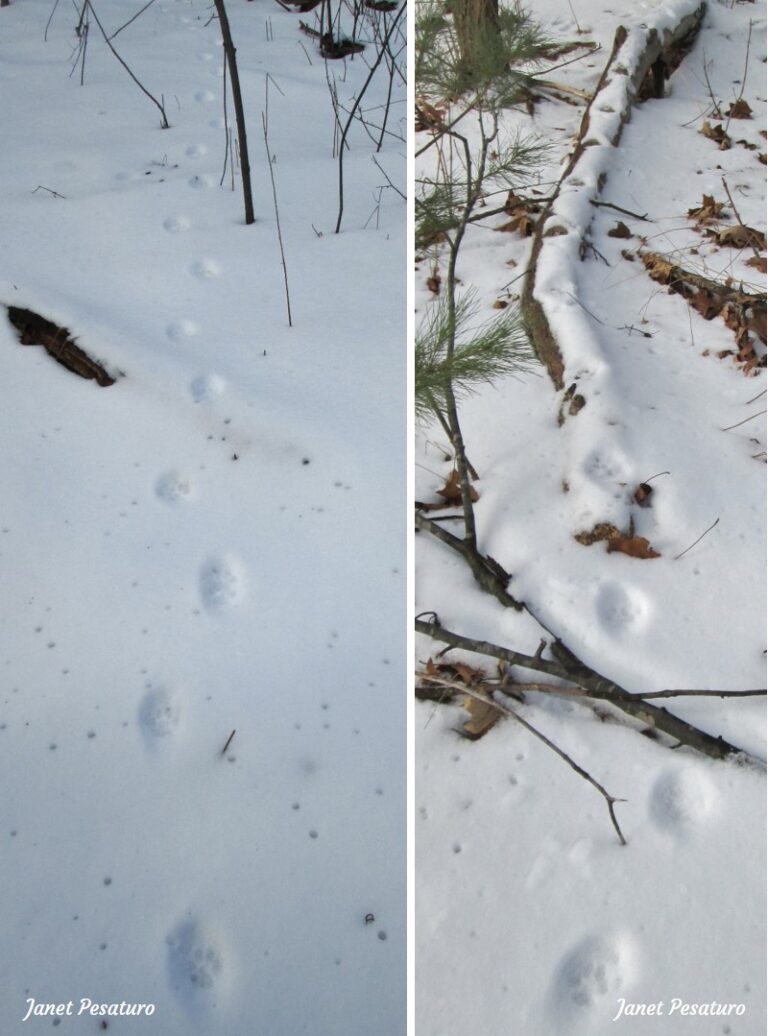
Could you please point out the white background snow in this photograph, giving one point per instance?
(215, 542)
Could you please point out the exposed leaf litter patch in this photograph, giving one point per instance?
(58, 343)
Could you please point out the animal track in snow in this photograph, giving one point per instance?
(177, 224)
(682, 799)
(593, 974)
(621, 609)
(607, 468)
(202, 183)
(173, 487)
(182, 329)
(196, 964)
(205, 96)
(206, 387)
(160, 712)
(206, 269)
(222, 582)
(196, 150)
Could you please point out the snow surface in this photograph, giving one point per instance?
(531, 918)
(214, 543)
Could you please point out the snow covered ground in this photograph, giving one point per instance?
(531, 918)
(216, 542)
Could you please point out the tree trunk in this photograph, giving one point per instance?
(477, 30)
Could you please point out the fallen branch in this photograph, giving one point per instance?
(618, 208)
(486, 570)
(700, 538)
(658, 51)
(488, 699)
(610, 800)
(565, 665)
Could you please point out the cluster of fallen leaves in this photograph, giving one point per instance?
(443, 682)
(742, 312)
(717, 132)
(521, 212)
(430, 116)
(737, 236)
(628, 543)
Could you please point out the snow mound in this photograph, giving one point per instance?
(680, 800)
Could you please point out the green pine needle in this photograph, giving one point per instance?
(463, 354)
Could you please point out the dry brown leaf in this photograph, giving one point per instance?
(709, 210)
(602, 531)
(634, 546)
(451, 491)
(739, 110)
(739, 237)
(658, 268)
(716, 133)
(758, 262)
(482, 716)
(643, 494)
(429, 116)
(433, 283)
(705, 303)
(468, 673)
(521, 223)
(500, 304)
(756, 324)
(431, 669)
(620, 230)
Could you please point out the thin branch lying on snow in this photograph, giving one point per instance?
(557, 690)
(55, 194)
(700, 538)
(505, 710)
(738, 425)
(567, 666)
(618, 208)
